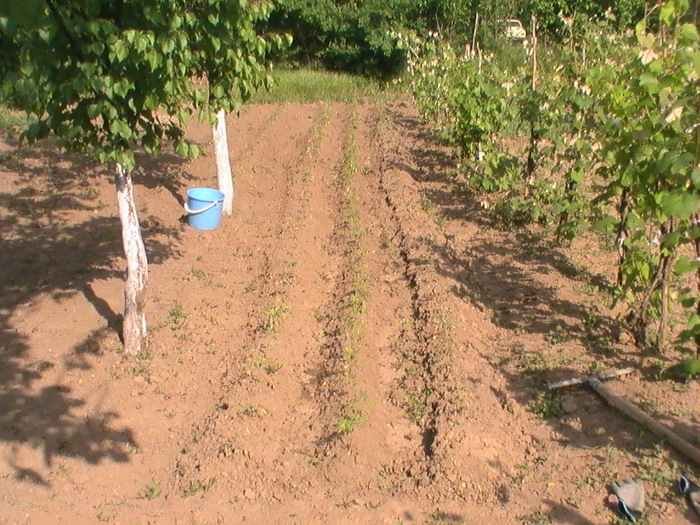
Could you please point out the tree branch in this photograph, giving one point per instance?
(71, 40)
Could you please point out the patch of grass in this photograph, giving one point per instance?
(351, 352)
(537, 518)
(140, 370)
(202, 276)
(357, 301)
(558, 335)
(531, 364)
(176, 315)
(658, 471)
(305, 86)
(440, 518)
(194, 487)
(265, 364)
(152, 490)
(350, 420)
(11, 122)
(548, 405)
(273, 316)
(252, 409)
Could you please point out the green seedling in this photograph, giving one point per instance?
(152, 490)
(274, 316)
(349, 421)
(252, 409)
(176, 315)
(196, 486)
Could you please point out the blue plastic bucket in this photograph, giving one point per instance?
(203, 208)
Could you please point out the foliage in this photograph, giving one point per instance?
(233, 58)
(564, 18)
(347, 36)
(611, 136)
(106, 75)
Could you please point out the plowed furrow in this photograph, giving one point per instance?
(277, 363)
(377, 304)
(429, 381)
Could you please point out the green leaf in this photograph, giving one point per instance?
(93, 110)
(671, 240)
(687, 34)
(650, 83)
(667, 12)
(182, 148)
(680, 205)
(686, 265)
(576, 175)
(168, 44)
(641, 27)
(151, 102)
(121, 128)
(687, 302)
(682, 163)
(646, 40)
(218, 92)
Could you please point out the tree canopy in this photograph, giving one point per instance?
(108, 75)
(354, 35)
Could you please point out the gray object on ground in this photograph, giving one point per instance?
(692, 491)
(630, 494)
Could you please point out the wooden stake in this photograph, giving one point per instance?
(223, 164)
(476, 25)
(533, 32)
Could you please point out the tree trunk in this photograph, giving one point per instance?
(696, 244)
(223, 165)
(623, 210)
(134, 328)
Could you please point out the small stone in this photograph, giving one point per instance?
(597, 431)
(569, 405)
(625, 338)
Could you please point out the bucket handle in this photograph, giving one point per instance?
(202, 210)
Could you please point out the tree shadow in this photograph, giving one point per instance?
(165, 171)
(56, 242)
(483, 272)
(497, 274)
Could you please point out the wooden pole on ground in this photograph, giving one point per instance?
(632, 411)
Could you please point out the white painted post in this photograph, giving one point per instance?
(223, 164)
(134, 329)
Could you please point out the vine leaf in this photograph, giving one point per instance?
(680, 205)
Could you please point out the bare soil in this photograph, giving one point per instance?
(359, 344)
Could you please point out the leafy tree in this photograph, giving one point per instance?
(110, 75)
(551, 14)
(234, 61)
(354, 35)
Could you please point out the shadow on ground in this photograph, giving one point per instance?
(56, 241)
(498, 271)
